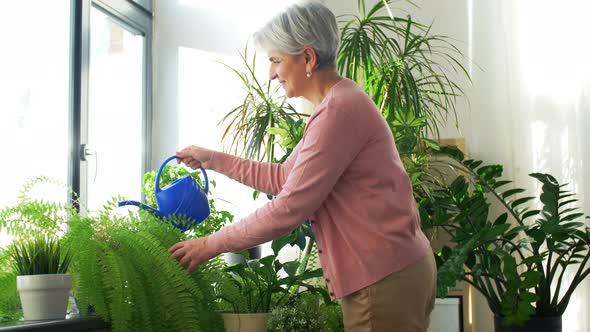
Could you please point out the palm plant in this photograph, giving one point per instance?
(262, 108)
(408, 72)
(401, 65)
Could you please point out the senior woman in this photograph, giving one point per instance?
(345, 176)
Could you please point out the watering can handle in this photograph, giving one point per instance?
(157, 189)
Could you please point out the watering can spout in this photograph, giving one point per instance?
(141, 205)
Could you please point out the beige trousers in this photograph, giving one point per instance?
(400, 302)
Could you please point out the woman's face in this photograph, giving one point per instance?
(289, 71)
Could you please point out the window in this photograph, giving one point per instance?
(34, 95)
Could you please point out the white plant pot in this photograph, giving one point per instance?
(245, 322)
(44, 296)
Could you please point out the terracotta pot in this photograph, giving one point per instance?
(245, 322)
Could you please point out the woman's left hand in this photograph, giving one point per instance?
(193, 252)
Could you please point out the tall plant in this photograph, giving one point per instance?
(263, 108)
(410, 75)
(517, 260)
(401, 65)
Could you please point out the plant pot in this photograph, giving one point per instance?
(44, 296)
(235, 258)
(535, 324)
(245, 322)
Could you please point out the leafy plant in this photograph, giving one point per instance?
(24, 221)
(302, 315)
(40, 255)
(263, 108)
(401, 65)
(170, 173)
(333, 318)
(263, 284)
(517, 260)
(124, 271)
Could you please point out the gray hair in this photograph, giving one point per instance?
(309, 24)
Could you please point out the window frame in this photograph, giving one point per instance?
(136, 19)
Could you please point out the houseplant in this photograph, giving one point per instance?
(122, 270)
(23, 221)
(411, 74)
(302, 315)
(259, 285)
(518, 259)
(44, 287)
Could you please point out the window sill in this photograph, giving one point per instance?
(62, 325)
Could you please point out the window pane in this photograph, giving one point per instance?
(34, 95)
(115, 111)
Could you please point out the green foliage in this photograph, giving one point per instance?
(303, 315)
(401, 65)
(263, 284)
(40, 256)
(124, 271)
(332, 317)
(170, 173)
(25, 221)
(31, 216)
(10, 308)
(518, 259)
(262, 108)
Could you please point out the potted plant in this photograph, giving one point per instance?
(121, 270)
(518, 259)
(44, 287)
(25, 220)
(248, 292)
(125, 273)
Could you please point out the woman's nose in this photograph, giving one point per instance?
(272, 74)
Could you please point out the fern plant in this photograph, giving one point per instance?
(517, 260)
(123, 269)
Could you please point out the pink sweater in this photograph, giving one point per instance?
(347, 178)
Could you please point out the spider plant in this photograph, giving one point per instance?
(262, 108)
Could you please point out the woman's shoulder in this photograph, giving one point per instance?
(348, 97)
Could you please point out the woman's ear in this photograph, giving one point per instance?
(311, 59)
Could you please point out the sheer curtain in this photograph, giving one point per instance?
(530, 102)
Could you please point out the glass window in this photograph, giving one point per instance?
(34, 96)
(115, 111)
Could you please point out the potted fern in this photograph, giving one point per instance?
(44, 287)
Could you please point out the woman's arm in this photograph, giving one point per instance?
(265, 177)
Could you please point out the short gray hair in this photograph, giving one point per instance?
(309, 24)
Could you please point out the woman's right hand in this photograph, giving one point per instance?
(194, 156)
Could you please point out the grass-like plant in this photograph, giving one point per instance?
(40, 255)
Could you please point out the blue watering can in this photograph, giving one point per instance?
(183, 197)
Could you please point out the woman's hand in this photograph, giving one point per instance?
(194, 156)
(193, 252)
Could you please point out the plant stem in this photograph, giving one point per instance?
(578, 277)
